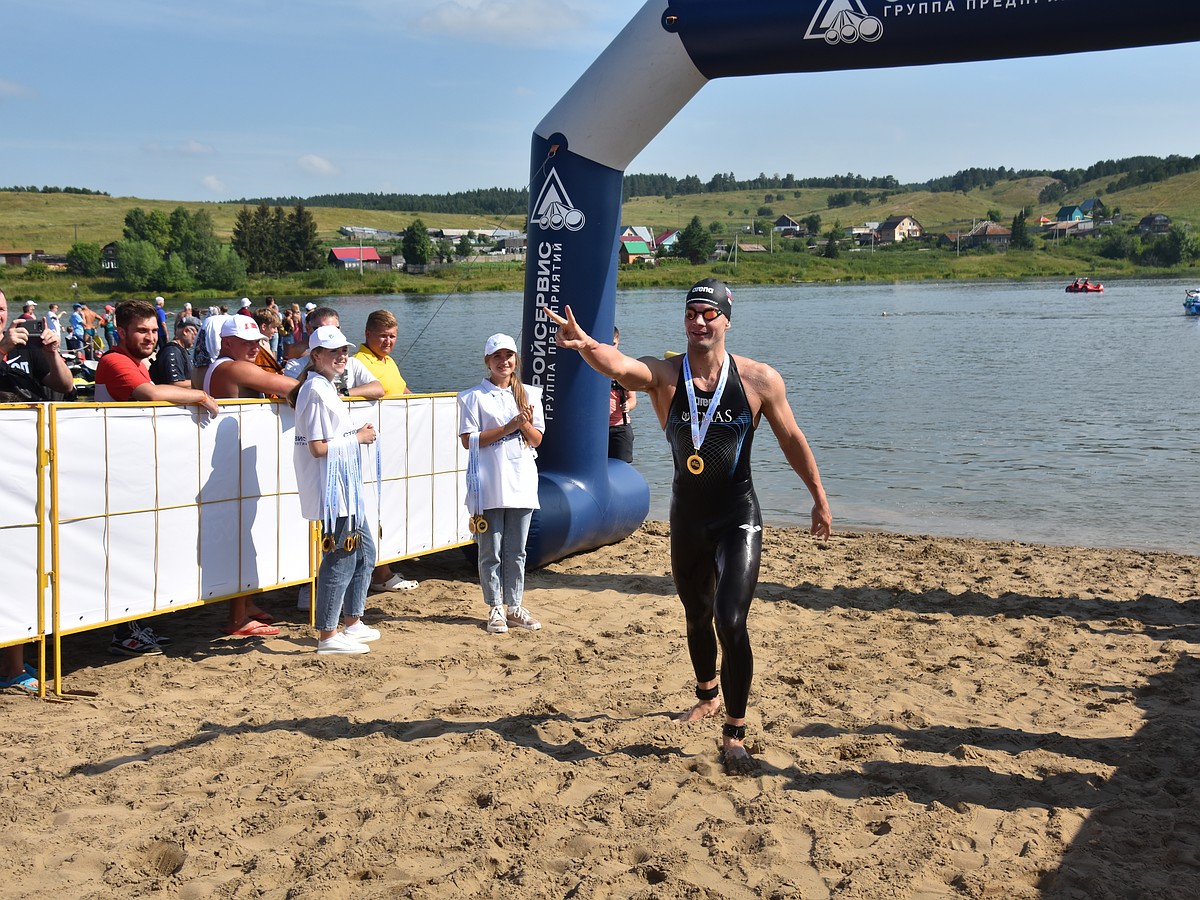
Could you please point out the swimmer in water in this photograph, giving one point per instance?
(709, 403)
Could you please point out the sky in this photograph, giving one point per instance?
(227, 99)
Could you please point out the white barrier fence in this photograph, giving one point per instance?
(148, 508)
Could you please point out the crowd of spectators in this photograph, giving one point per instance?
(258, 352)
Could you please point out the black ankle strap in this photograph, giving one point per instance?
(737, 732)
(708, 693)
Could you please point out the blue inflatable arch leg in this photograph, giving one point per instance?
(582, 146)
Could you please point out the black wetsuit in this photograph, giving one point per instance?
(716, 536)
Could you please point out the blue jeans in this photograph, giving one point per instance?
(344, 576)
(502, 555)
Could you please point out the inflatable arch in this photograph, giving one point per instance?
(581, 148)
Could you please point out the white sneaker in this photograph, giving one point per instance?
(304, 598)
(396, 583)
(361, 632)
(519, 617)
(496, 623)
(339, 643)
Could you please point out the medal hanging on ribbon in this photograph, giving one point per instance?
(695, 464)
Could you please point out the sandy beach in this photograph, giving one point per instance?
(930, 718)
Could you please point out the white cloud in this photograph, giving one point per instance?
(180, 148)
(213, 184)
(316, 165)
(195, 148)
(13, 89)
(511, 22)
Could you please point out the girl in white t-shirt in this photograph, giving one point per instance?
(505, 417)
(329, 476)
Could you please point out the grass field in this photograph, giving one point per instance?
(53, 222)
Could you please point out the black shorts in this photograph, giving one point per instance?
(620, 442)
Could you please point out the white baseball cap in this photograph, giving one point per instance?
(328, 337)
(309, 307)
(242, 327)
(499, 342)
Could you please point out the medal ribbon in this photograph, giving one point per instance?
(700, 429)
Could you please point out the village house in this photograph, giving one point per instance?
(515, 243)
(786, 225)
(985, 234)
(638, 233)
(17, 257)
(354, 258)
(666, 241)
(631, 251)
(370, 235)
(1069, 214)
(899, 228)
(1155, 223)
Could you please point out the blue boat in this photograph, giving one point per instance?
(1191, 303)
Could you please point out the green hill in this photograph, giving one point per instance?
(52, 222)
(1178, 197)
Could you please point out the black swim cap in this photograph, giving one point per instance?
(714, 293)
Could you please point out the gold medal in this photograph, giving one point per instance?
(478, 524)
(695, 464)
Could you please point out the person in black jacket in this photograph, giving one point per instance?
(173, 365)
(31, 368)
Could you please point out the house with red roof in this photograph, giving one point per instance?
(665, 241)
(354, 257)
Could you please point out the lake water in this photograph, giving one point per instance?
(1010, 410)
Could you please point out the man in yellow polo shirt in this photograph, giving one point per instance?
(375, 355)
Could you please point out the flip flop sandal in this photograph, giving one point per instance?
(26, 681)
(253, 628)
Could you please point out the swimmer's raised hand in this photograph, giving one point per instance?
(569, 335)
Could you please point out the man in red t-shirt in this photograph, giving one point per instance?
(122, 377)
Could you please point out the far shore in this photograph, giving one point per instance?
(509, 275)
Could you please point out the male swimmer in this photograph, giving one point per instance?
(709, 403)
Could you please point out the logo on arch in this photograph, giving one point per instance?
(843, 22)
(554, 210)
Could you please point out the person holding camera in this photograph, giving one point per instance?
(620, 403)
(31, 369)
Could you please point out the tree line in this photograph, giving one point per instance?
(47, 189)
(849, 188)
(181, 251)
(493, 201)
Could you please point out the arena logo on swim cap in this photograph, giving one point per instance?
(554, 210)
(843, 22)
(712, 292)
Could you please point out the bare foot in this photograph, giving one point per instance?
(702, 710)
(736, 758)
